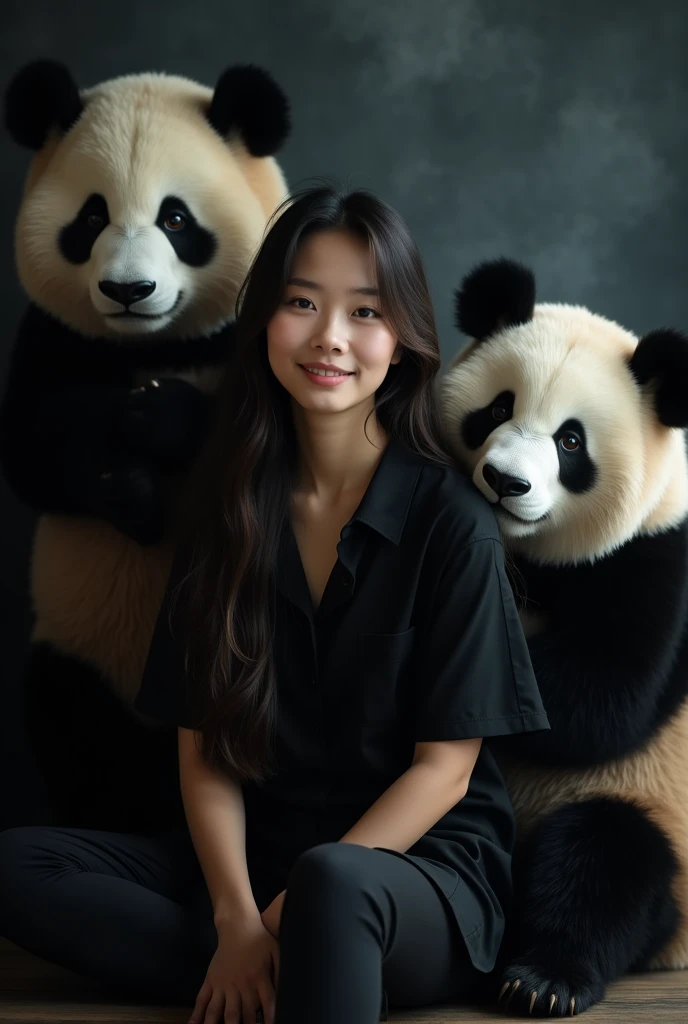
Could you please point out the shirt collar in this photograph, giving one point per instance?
(386, 502)
(384, 508)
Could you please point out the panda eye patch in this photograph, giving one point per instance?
(76, 239)
(577, 471)
(479, 424)
(193, 244)
(570, 437)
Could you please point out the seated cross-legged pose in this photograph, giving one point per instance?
(337, 638)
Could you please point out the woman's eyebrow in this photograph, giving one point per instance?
(305, 283)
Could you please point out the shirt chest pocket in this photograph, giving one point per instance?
(382, 664)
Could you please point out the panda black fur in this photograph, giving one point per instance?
(145, 201)
(571, 428)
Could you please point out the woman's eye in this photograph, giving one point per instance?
(367, 313)
(570, 442)
(300, 303)
(500, 412)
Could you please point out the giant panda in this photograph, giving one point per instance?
(572, 428)
(144, 203)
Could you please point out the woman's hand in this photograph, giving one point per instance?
(241, 977)
(272, 915)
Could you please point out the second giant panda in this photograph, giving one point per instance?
(143, 206)
(572, 428)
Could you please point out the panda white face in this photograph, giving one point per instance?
(547, 418)
(527, 472)
(142, 219)
(140, 276)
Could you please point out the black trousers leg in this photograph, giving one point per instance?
(129, 911)
(356, 922)
(133, 912)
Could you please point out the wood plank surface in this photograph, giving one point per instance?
(35, 992)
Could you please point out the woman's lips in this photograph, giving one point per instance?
(326, 381)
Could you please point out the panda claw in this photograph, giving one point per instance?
(505, 986)
(552, 1001)
(532, 1001)
(573, 1005)
(517, 984)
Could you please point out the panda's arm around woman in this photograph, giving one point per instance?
(337, 638)
(612, 666)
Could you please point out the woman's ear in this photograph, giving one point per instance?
(397, 354)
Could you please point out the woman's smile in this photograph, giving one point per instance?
(325, 374)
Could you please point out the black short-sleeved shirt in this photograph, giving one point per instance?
(417, 638)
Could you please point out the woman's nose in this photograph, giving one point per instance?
(332, 335)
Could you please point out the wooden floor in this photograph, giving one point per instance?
(36, 992)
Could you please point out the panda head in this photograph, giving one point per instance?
(568, 424)
(147, 196)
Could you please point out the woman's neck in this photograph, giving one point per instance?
(338, 453)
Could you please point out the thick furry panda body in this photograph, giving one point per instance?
(572, 429)
(143, 207)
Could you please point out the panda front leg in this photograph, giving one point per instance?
(593, 900)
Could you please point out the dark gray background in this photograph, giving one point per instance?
(547, 131)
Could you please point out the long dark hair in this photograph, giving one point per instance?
(241, 490)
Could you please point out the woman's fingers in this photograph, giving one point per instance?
(232, 1008)
(202, 999)
(266, 995)
(250, 1005)
(215, 1011)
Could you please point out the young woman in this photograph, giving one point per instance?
(337, 638)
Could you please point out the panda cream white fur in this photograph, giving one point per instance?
(143, 205)
(571, 428)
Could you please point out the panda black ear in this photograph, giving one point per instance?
(43, 95)
(248, 100)
(661, 358)
(496, 294)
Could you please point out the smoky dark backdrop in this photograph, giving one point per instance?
(553, 133)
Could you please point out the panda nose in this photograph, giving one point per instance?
(502, 484)
(127, 293)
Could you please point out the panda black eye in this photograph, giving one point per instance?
(95, 221)
(175, 222)
(500, 412)
(570, 442)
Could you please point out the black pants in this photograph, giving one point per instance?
(133, 912)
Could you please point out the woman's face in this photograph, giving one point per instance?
(329, 343)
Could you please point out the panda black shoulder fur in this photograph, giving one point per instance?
(571, 427)
(143, 206)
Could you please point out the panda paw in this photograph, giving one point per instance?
(532, 990)
(129, 498)
(166, 420)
